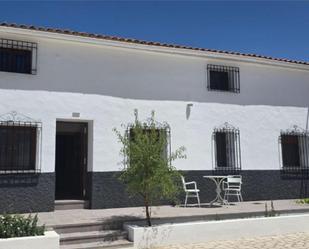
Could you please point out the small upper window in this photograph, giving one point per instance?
(18, 56)
(294, 149)
(226, 148)
(223, 78)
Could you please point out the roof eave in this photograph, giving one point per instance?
(154, 48)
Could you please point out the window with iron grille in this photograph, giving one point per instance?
(294, 148)
(223, 78)
(160, 133)
(18, 56)
(226, 148)
(19, 147)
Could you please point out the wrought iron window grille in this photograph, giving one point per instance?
(148, 125)
(22, 58)
(20, 144)
(223, 78)
(293, 146)
(226, 154)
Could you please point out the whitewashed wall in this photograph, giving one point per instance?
(105, 84)
(259, 125)
(69, 66)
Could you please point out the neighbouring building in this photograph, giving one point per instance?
(63, 92)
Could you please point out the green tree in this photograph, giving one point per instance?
(148, 169)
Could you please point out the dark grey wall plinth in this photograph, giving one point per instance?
(22, 193)
(257, 185)
(106, 191)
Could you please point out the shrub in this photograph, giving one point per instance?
(12, 226)
(303, 201)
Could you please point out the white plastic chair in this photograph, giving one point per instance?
(232, 187)
(191, 192)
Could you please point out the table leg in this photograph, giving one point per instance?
(218, 190)
(218, 198)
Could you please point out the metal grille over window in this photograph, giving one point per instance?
(226, 149)
(161, 129)
(18, 56)
(20, 144)
(223, 78)
(294, 150)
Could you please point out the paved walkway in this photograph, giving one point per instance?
(238, 210)
(288, 241)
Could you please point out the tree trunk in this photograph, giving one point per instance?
(147, 212)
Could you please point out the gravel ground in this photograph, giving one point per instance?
(287, 241)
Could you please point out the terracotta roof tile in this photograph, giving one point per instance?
(151, 43)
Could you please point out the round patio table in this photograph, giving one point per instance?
(218, 180)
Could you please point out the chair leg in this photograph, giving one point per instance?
(238, 197)
(186, 200)
(241, 196)
(198, 199)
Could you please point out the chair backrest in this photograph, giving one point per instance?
(183, 183)
(234, 181)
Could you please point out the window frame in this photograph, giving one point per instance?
(22, 46)
(234, 133)
(233, 78)
(158, 126)
(303, 150)
(36, 160)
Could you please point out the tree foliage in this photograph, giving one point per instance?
(148, 169)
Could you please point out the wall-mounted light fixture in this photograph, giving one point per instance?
(188, 110)
(75, 114)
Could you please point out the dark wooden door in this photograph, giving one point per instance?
(70, 164)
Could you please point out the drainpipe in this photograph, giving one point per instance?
(307, 121)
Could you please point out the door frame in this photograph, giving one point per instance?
(87, 146)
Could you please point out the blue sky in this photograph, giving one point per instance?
(275, 28)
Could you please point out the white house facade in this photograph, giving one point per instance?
(63, 92)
